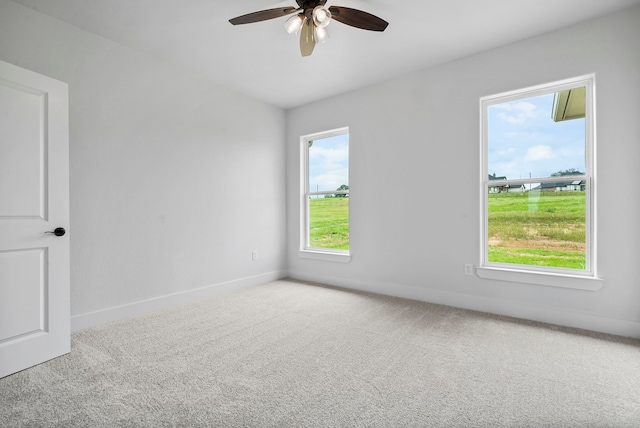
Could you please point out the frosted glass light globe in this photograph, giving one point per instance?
(294, 24)
(321, 17)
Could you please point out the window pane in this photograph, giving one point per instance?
(329, 222)
(544, 227)
(541, 136)
(537, 180)
(329, 163)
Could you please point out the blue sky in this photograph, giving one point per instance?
(524, 139)
(329, 163)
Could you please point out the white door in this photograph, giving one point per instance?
(34, 199)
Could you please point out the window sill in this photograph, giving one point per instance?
(541, 278)
(325, 256)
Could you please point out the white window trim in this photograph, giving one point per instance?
(567, 278)
(306, 252)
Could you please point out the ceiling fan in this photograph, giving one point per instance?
(311, 19)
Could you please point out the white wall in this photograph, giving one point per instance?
(174, 179)
(415, 167)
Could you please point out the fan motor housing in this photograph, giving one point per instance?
(309, 5)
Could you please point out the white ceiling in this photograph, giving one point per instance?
(263, 61)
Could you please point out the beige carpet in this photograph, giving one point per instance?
(289, 354)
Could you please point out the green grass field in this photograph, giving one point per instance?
(535, 228)
(538, 228)
(329, 223)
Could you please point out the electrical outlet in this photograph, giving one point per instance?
(468, 269)
(254, 255)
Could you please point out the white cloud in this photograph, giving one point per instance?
(539, 152)
(329, 155)
(329, 181)
(517, 112)
(328, 167)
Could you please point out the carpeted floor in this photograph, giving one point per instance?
(290, 354)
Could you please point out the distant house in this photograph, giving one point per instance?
(562, 186)
(514, 188)
(506, 188)
(497, 189)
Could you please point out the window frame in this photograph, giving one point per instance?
(586, 279)
(306, 251)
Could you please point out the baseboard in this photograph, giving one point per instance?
(618, 327)
(104, 316)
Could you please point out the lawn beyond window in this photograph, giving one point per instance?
(329, 223)
(537, 229)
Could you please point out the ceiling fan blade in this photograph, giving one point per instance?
(263, 15)
(357, 18)
(307, 39)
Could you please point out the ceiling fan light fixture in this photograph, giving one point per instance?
(294, 24)
(321, 34)
(321, 16)
(310, 19)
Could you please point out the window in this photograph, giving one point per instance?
(537, 179)
(325, 195)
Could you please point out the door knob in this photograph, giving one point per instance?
(58, 231)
